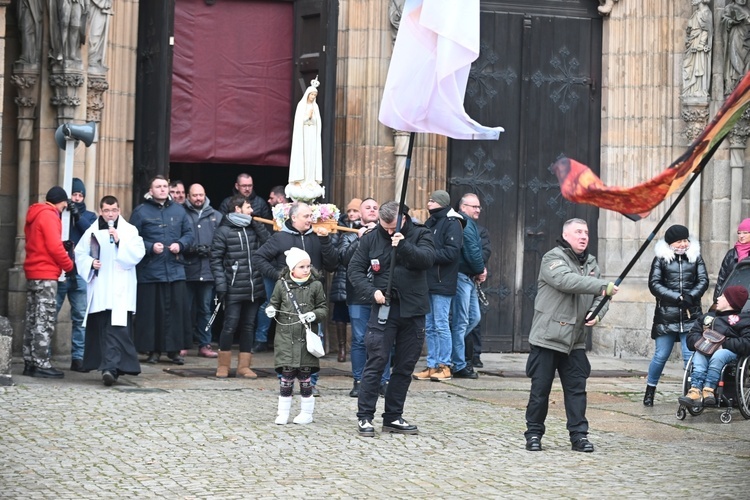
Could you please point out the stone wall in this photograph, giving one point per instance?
(642, 133)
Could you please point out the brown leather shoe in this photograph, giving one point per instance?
(424, 374)
(442, 374)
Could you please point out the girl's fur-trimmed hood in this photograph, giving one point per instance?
(663, 251)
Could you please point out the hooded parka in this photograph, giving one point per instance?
(673, 276)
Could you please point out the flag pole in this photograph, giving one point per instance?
(658, 226)
(385, 309)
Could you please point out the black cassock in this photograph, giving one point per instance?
(110, 347)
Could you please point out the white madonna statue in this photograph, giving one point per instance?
(306, 162)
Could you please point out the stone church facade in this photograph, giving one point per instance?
(651, 106)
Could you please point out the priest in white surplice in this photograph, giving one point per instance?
(106, 258)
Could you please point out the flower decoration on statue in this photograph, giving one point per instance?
(321, 213)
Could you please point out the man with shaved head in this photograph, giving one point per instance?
(200, 281)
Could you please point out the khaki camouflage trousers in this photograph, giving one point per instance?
(41, 312)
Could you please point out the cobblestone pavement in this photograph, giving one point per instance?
(164, 436)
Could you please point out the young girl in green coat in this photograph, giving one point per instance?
(291, 358)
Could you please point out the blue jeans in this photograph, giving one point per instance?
(664, 345)
(200, 296)
(359, 315)
(77, 299)
(263, 322)
(438, 331)
(707, 372)
(466, 316)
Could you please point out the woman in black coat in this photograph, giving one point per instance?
(741, 250)
(729, 321)
(678, 279)
(237, 283)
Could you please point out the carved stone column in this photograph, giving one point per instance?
(695, 115)
(737, 144)
(25, 78)
(96, 86)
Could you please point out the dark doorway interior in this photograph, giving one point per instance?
(218, 179)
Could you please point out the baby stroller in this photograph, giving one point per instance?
(733, 389)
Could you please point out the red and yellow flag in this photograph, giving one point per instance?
(580, 185)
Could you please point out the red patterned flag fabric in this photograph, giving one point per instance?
(579, 184)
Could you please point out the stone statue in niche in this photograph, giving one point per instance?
(395, 8)
(30, 29)
(67, 30)
(696, 65)
(736, 24)
(99, 14)
(306, 160)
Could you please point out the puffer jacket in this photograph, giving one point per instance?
(342, 241)
(447, 234)
(290, 345)
(735, 326)
(165, 223)
(236, 244)
(727, 266)
(271, 260)
(566, 292)
(260, 206)
(204, 223)
(673, 276)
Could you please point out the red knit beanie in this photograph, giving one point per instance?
(736, 295)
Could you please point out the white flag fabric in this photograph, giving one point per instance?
(424, 91)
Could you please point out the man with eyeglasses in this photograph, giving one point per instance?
(244, 186)
(106, 258)
(473, 340)
(465, 314)
(297, 231)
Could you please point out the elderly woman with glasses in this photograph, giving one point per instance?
(740, 251)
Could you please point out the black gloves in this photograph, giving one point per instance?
(74, 212)
(220, 296)
(70, 278)
(686, 302)
(203, 250)
(68, 245)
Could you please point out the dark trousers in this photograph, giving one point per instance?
(408, 336)
(574, 369)
(242, 315)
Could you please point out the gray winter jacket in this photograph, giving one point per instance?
(566, 291)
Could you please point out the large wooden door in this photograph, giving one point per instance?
(538, 76)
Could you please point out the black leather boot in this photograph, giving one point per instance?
(341, 334)
(648, 398)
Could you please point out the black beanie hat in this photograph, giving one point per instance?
(676, 233)
(736, 295)
(56, 194)
(78, 187)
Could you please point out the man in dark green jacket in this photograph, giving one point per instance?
(569, 287)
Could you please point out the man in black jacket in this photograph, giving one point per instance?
(297, 232)
(160, 324)
(200, 282)
(447, 234)
(244, 186)
(369, 271)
